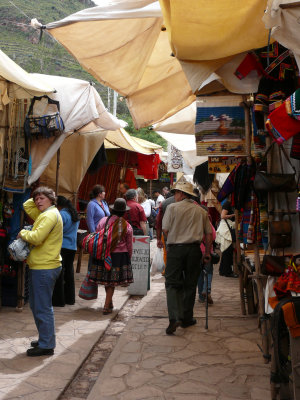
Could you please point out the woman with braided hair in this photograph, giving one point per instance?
(116, 269)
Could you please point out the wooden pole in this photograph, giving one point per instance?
(57, 171)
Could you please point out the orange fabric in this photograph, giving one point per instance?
(273, 301)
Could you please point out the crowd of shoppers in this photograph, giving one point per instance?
(183, 229)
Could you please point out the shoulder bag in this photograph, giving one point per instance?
(44, 126)
(265, 182)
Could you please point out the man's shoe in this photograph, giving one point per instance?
(38, 351)
(186, 324)
(34, 343)
(233, 275)
(209, 299)
(173, 325)
(201, 299)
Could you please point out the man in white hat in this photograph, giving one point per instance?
(184, 225)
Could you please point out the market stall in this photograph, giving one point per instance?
(26, 152)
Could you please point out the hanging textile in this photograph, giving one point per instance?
(129, 178)
(220, 126)
(148, 165)
(108, 176)
(278, 68)
(16, 161)
(127, 158)
(99, 160)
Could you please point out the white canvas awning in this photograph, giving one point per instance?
(74, 164)
(13, 73)
(124, 46)
(80, 104)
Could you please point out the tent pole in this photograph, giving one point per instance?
(57, 171)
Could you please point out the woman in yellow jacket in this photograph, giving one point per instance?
(44, 263)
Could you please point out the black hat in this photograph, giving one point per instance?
(119, 205)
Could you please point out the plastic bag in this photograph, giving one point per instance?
(19, 250)
(158, 264)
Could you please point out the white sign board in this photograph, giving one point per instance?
(140, 261)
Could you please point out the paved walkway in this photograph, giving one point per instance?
(221, 363)
(78, 328)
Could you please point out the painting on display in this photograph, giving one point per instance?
(219, 164)
(175, 159)
(220, 126)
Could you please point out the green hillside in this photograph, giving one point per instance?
(23, 45)
(21, 42)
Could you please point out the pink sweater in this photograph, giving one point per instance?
(123, 245)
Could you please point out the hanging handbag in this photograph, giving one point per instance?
(280, 234)
(215, 258)
(46, 125)
(295, 148)
(88, 289)
(265, 182)
(273, 265)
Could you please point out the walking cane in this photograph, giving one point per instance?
(206, 297)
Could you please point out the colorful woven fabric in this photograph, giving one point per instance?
(295, 148)
(228, 186)
(281, 126)
(293, 105)
(288, 282)
(108, 176)
(96, 245)
(254, 233)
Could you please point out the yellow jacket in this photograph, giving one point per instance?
(46, 236)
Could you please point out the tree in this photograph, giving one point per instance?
(144, 133)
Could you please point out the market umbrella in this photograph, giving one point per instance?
(124, 45)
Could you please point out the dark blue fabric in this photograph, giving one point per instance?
(18, 200)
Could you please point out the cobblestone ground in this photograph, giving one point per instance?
(90, 370)
(135, 359)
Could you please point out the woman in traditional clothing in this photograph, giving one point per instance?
(115, 269)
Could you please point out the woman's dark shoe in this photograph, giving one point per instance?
(34, 343)
(38, 351)
(107, 310)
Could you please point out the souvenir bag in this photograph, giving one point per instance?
(280, 231)
(46, 125)
(265, 182)
(273, 265)
(295, 148)
(88, 289)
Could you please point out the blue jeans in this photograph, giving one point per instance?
(41, 285)
(202, 281)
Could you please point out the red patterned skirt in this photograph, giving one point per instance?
(120, 273)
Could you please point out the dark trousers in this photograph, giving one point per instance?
(226, 264)
(64, 290)
(182, 273)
